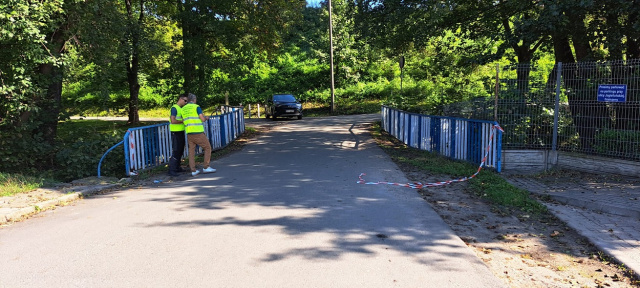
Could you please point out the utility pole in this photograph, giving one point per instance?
(333, 95)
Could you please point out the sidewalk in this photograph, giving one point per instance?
(603, 208)
(17, 207)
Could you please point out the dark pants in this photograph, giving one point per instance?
(177, 143)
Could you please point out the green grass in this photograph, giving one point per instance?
(487, 184)
(17, 183)
(73, 128)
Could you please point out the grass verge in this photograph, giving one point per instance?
(487, 184)
(17, 183)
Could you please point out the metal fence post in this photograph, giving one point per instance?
(554, 142)
(495, 107)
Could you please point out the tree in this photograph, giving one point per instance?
(214, 28)
(132, 59)
(32, 44)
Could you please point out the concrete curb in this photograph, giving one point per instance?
(617, 248)
(595, 206)
(15, 214)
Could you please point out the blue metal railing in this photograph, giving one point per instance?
(456, 138)
(150, 146)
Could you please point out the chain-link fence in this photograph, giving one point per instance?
(595, 110)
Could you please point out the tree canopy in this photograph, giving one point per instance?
(62, 57)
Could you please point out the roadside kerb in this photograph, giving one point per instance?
(595, 206)
(14, 214)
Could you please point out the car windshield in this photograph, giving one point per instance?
(284, 98)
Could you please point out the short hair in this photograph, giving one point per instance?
(191, 97)
(183, 95)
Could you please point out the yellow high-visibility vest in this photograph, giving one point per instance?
(191, 119)
(176, 127)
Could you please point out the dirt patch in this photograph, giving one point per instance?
(523, 249)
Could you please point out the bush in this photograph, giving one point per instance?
(620, 143)
(80, 158)
(24, 150)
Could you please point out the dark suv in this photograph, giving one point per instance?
(283, 105)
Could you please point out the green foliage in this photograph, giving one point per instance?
(81, 144)
(24, 151)
(80, 159)
(28, 55)
(621, 143)
(252, 50)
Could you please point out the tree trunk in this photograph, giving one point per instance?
(132, 63)
(579, 36)
(50, 103)
(633, 35)
(187, 49)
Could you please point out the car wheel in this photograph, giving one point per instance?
(299, 117)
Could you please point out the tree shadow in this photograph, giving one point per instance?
(299, 182)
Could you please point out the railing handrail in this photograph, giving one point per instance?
(456, 138)
(220, 130)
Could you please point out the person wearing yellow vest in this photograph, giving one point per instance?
(176, 126)
(193, 120)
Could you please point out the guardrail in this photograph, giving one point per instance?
(150, 146)
(456, 138)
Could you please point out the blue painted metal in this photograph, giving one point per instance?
(499, 149)
(223, 134)
(437, 135)
(452, 153)
(150, 146)
(457, 138)
(419, 132)
(127, 162)
(408, 129)
(105, 154)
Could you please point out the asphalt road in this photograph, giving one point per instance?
(284, 212)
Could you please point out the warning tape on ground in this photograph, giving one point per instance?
(418, 185)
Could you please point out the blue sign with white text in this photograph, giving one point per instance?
(612, 93)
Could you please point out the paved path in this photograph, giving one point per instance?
(286, 212)
(606, 210)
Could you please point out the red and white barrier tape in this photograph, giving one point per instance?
(418, 185)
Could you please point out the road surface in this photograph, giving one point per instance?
(284, 212)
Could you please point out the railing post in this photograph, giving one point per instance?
(409, 126)
(223, 131)
(453, 139)
(498, 149)
(127, 163)
(420, 131)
